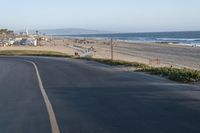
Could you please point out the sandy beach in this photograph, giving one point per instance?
(169, 55)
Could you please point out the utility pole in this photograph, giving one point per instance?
(111, 49)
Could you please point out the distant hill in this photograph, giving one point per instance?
(68, 31)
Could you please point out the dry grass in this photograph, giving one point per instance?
(32, 53)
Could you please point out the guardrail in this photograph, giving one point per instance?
(83, 51)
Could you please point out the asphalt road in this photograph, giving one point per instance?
(89, 97)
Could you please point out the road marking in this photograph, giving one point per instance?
(52, 117)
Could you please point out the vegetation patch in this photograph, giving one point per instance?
(117, 62)
(175, 74)
(32, 53)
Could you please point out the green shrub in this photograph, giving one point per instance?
(180, 75)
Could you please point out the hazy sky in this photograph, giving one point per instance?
(108, 15)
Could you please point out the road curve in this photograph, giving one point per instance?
(89, 97)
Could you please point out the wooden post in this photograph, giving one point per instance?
(111, 45)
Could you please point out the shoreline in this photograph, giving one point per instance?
(168, 41)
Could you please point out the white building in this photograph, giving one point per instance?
(26, 41)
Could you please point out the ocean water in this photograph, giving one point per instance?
(180, 38)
